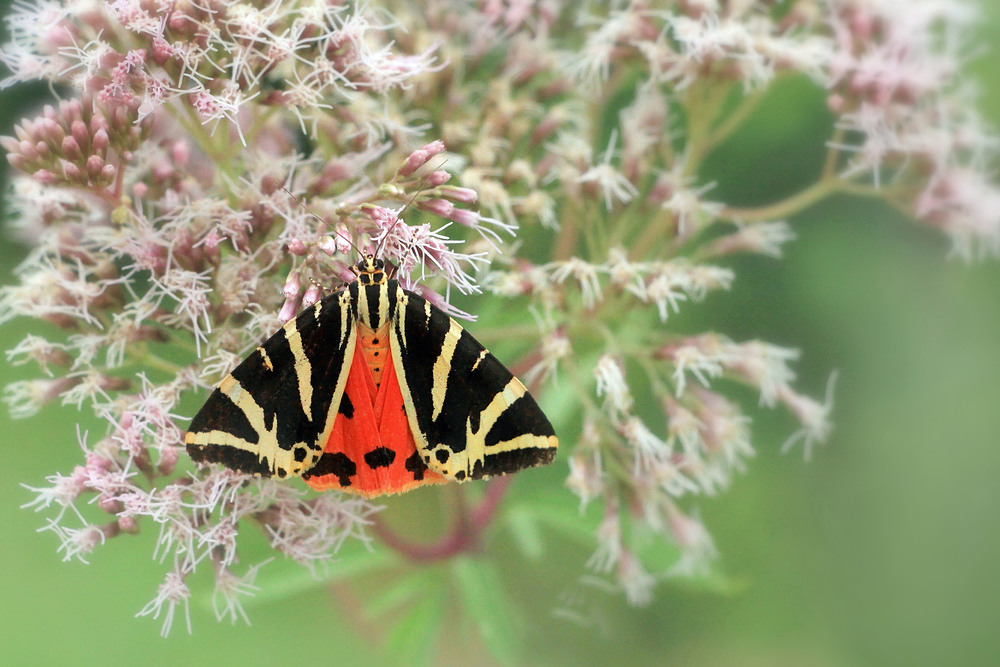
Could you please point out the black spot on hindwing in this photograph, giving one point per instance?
(380, 457)
(415, 466)
(334, 463)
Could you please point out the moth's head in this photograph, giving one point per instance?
(371, 271)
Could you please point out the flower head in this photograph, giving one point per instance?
(213, 169)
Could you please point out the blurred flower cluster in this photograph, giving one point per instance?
(211, 168)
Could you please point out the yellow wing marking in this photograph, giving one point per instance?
(442, 365)
(303, 369)
(266, 446)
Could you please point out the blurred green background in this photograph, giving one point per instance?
(881, 551)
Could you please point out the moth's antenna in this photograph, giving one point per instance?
(337, 233)
(399, 216)
(385, 237)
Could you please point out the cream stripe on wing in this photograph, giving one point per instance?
(267, 360)
(479, 359)
(267, 439)
(523, 441)
(439, 378)
(303, 368)
(488, 417)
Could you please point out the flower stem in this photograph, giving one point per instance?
(464, 535)
(794, 204)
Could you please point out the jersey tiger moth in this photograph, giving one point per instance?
(372, 390)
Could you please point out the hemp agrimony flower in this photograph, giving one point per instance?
(212, 168)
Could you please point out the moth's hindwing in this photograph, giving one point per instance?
(470, 416)
(273, 414)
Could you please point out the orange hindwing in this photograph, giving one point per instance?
(371, 436)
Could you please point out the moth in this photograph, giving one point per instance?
(372, 390)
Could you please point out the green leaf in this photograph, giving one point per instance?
(394, 593)
(484, 596)
(561, 515)
(292, 581)
(411, 639)
(523, 526)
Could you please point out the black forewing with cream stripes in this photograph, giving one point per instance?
(469, 415)
(272, 414)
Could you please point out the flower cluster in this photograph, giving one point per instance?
(216, 166)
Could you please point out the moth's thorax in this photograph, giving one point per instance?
(375, 303)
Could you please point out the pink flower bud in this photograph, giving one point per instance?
(108, 174)
(98, 123)
(50, 130)
(121, 117)
(45, 177)
(464, 195)
(288, 310)
(293, 286)
(71, 172)
(80, 132)
(419, 157)
(95, 163)
(464, 217)
(100, 141)
(438, 177)
(343, 239)
(28, 150)
(23, 130)
(328, 245)
(18, 161)
(168, 460)
(414, 161)
(128, 524)
(180, 152)
(312, 295)
(297, 247)
(336, 170)
(434, 148)
(109, 505)
(441, 207)
(162, 50)
(70, 148)
(140, 190)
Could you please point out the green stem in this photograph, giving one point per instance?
(833, 154)
(144, 358)
(787, 207)
(733, 121)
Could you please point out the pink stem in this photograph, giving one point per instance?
(464, 535)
